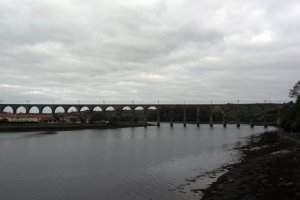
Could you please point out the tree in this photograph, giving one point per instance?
(291, 118)
(295, 92)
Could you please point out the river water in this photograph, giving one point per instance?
(121, 164)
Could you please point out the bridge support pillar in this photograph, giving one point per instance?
(238, 121)
(265, 119)
(224, 120)
(26, 110)
(198, 118)
(252, 123)
(158, 117)
(132, 115)
(14, 110)
(145, 117)
(104, 114)
(118, 113)
(171, 117)
(211, 123)
(184, 118)
(252, 119)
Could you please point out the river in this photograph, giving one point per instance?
(115, 164)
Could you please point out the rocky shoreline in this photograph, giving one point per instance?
(269, 169)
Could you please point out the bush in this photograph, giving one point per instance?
(291, 118)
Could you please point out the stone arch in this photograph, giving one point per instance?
(191, 113)
(204, 114)
(84, 109)
(71, 109)
(152, 114)
(110, 108)
(46, 109)
(258, 114)
(218, 113)
(138, 113)
(34, 109)
(152, 108)
(8, 109)
(96, 109)
(231, 113)
(139, 108)
(59, 109)
(164, 113)
(239, 114)
(21, 110)
(127, 114)
(126, 108)
(110, 113)
(177, 113)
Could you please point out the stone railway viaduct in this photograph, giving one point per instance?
(145, 107)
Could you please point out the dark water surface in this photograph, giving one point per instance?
(126, 163)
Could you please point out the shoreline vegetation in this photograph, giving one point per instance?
(269, 169)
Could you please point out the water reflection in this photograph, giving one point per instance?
(128, 163)
(43, 133)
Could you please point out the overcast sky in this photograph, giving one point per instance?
(148, 50)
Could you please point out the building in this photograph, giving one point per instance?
(25, 118)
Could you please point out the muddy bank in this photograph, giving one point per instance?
(270, 169)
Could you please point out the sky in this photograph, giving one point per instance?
(145, 51)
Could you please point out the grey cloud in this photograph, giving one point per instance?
(148, 50)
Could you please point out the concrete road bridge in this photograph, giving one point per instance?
(158, 107)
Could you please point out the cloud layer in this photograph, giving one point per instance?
(148, 50)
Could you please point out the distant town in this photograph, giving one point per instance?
(66, 118)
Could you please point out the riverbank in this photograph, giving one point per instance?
(269, 169)
(65, 127)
